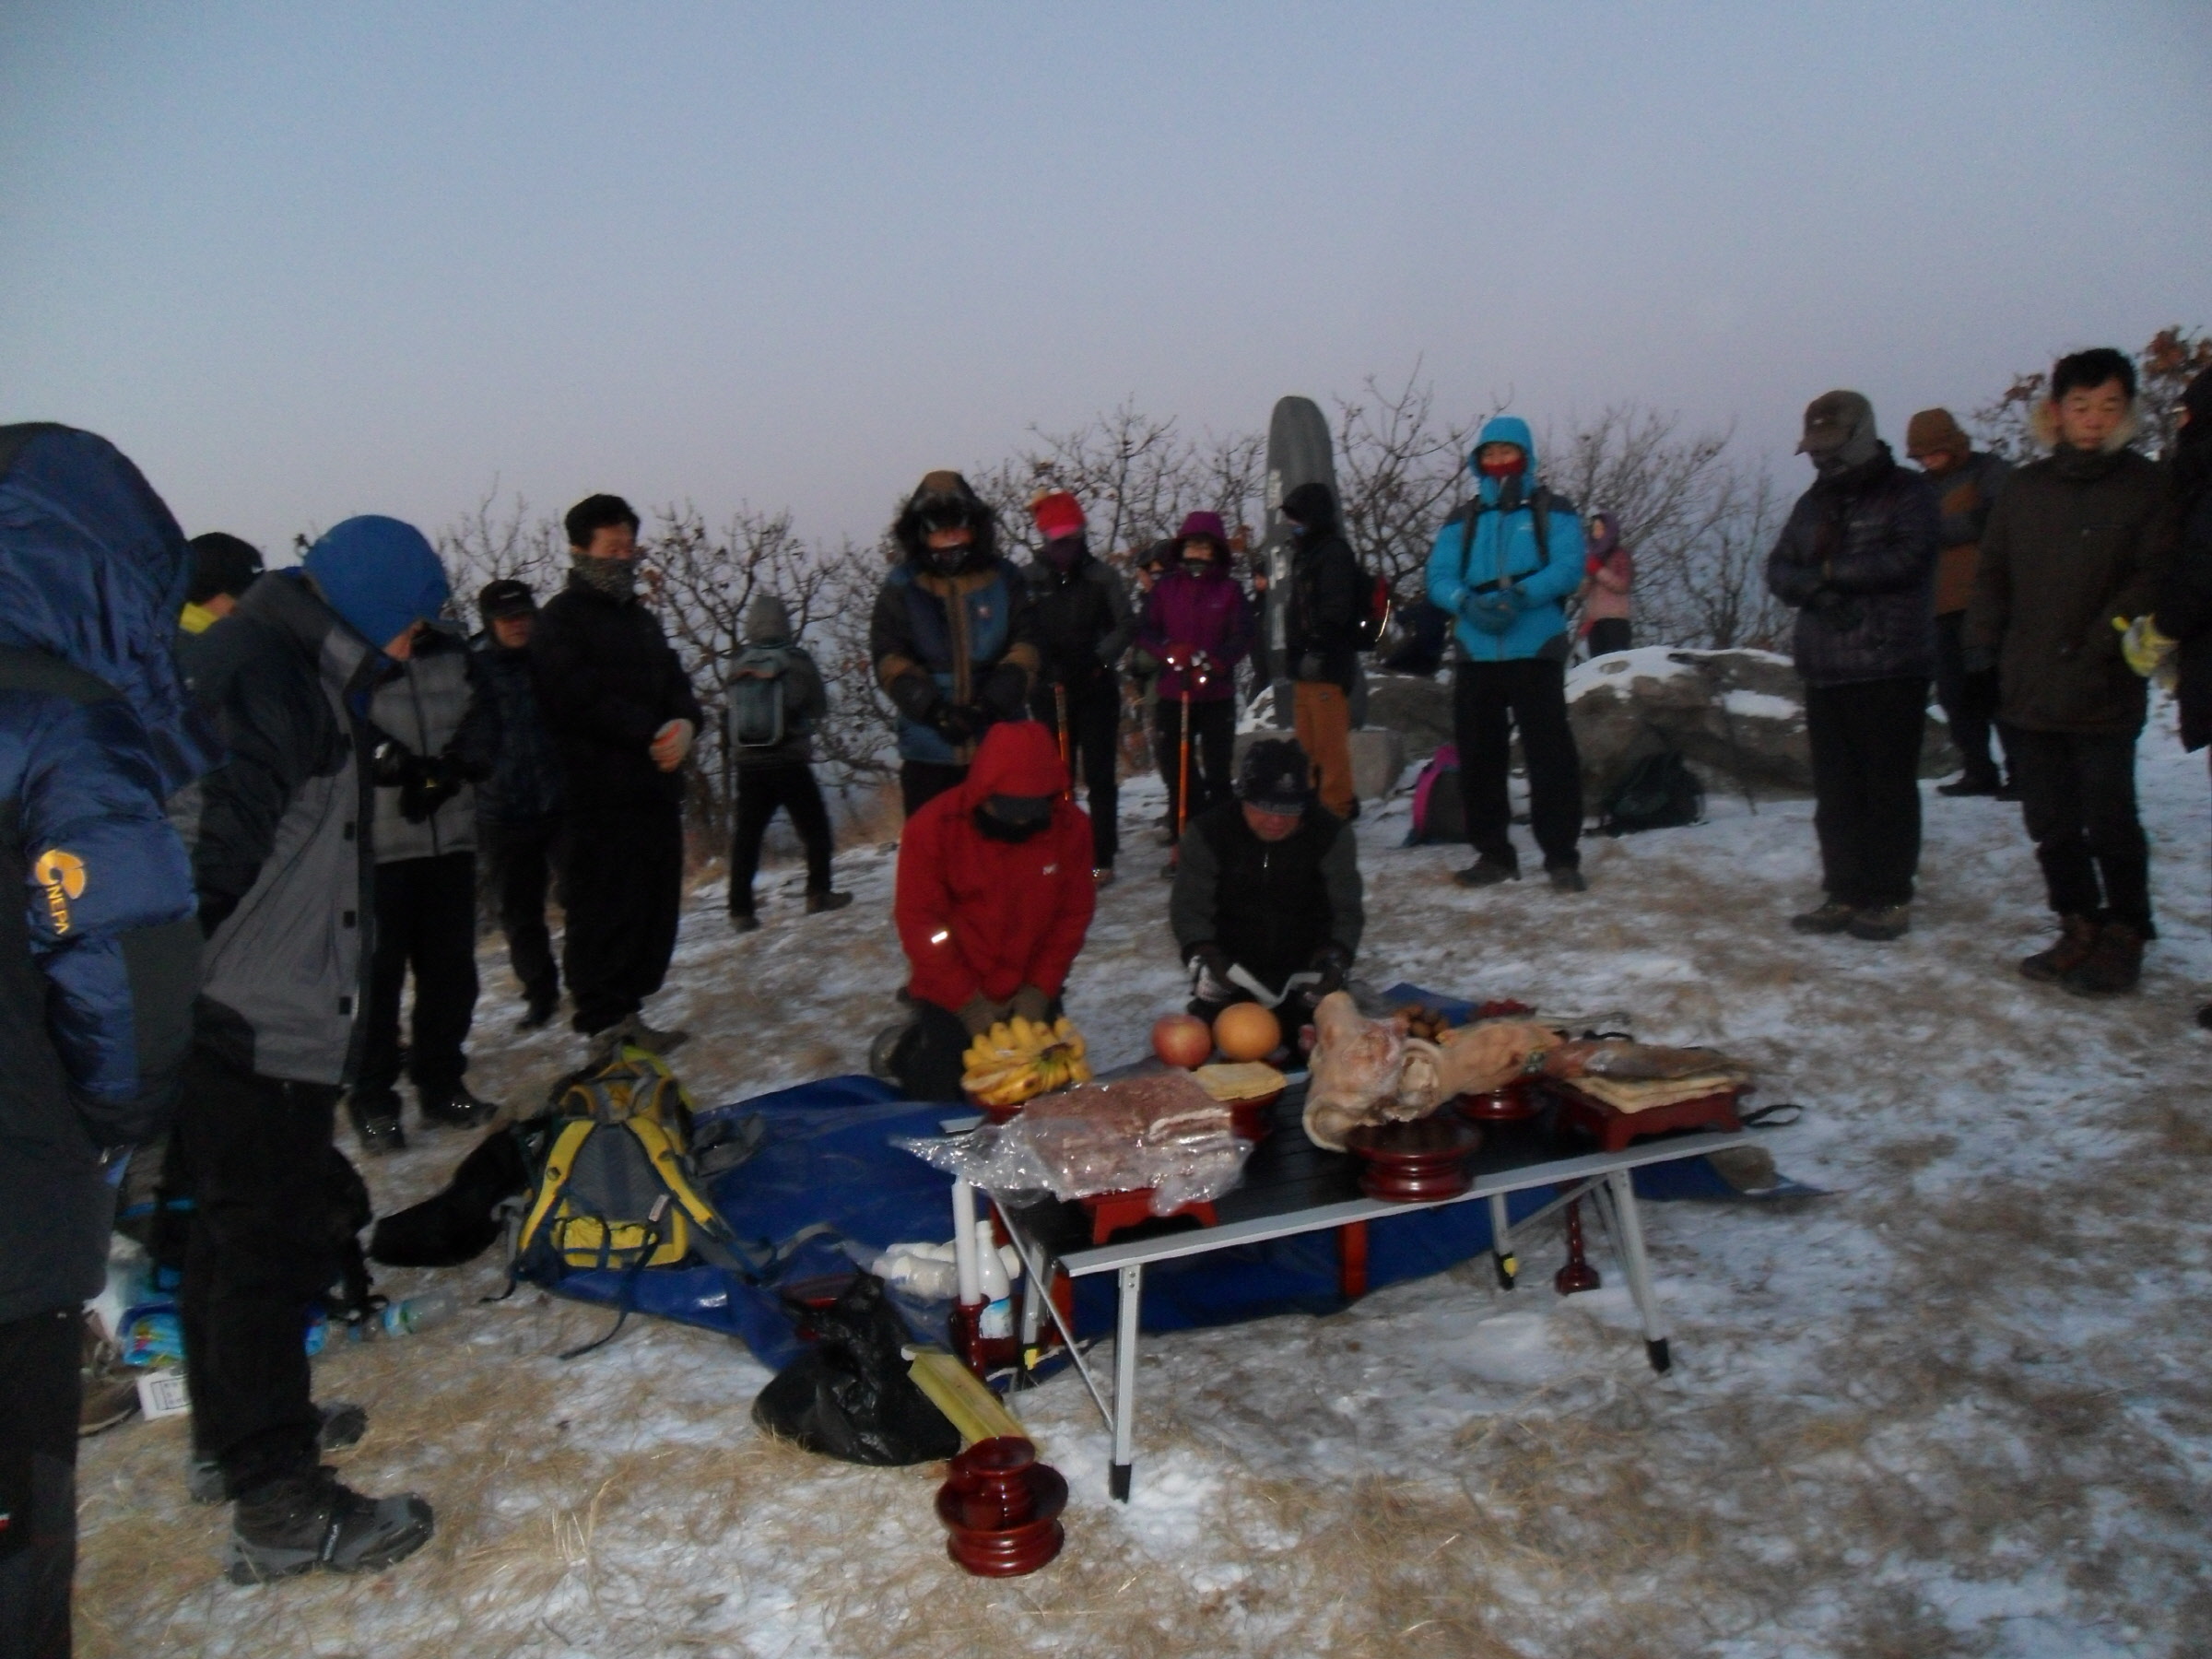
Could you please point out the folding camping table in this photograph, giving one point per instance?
(1290, 1186)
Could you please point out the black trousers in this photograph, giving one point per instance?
(1609, 634)
(1969, 700)
(623, 884)
(921, 782)
(1866, 747)
(519, 862)
(1090, 725)
(39, 1394)
(254, 1154)
(1489, 700)
(426, 920)
(761, 790)
(1213, 733)
(2077, 795)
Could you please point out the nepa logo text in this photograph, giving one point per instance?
(63, 876)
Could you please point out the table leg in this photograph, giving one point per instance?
(1501, 1243)
(1125, 1381)
(1622, 1183)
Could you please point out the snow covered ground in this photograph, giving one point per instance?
(1958, 1407)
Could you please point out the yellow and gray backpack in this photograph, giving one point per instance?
(617, 1187)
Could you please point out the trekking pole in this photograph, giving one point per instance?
(1183, 766)
(1060, 713)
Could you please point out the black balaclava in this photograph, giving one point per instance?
(1014, 817)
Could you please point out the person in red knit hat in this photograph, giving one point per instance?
(1084, 627)
(995, 899)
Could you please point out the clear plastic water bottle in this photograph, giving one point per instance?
(405, 1318)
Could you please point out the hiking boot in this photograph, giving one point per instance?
(539, 1012)
(1486, 871)
(304, 1522)
(458, 1107)
(1972, 785)
(344, 1424)
(376, 1121)
(111, 1389)
(745, 922)
(818, 904)
(2076, 937)
(1102, 877)
(2114, 965)
(1832, 917)
(1568, 879)
(1880, 923)
(632, 1028)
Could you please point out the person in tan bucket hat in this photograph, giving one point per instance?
(1966, 485)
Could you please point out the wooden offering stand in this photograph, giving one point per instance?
(1614, 1129)
(1411, 1163)
(1577, 1275)
(1513, 1102)
(1111, 1212)
(1000, 1508)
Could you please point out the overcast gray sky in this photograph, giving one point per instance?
(303, 262)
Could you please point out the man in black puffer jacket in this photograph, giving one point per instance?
(1857, 557)
(1268, 882)
(1321, 638)
(2184, 611)
(623, 717)
(1083, 627)
(2074, 545)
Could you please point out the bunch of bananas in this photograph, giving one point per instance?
(1020, 1059)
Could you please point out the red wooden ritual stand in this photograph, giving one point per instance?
(1613, 1129)
(1000, 1508)
(1111, 1212)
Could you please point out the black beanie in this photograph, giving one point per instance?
(221, 564)
(1276, 777)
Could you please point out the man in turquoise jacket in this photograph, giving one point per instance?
(1500, 566)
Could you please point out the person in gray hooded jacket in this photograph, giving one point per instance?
(280, 860)
(432, 737)
(776, 702)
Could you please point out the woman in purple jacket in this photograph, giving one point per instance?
(1197, 623)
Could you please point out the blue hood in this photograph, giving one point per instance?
(93, 569)
(379, 574)
(1503, 428)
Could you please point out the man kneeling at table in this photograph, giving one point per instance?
(995, 898)
(1267, 890)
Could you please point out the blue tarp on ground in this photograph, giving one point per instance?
(827, 1156)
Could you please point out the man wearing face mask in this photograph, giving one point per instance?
(621, 713)
(1499, 567)
(1857, 557)
(995, 898)
(953, 635)
(1083, 627)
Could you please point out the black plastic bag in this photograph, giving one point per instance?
(849, 1396)
(1658, 791)
(462, 1222)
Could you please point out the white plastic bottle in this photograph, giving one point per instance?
(998, 1289)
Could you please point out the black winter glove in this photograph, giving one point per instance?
(958, 722)
(1310, 667)
(1209, 966)
(1332, 962)
(916, 697)
(1005, 692)
(427, 786)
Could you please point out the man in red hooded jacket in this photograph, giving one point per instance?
(995, 898)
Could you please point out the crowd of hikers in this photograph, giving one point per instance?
(244, 805)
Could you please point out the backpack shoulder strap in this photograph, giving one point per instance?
(25, 670)
(553, 1178)
(1467, 515)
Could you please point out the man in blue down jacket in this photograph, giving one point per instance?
(1857, 557)
(1501, 573)
(281, 858)
(100, 951)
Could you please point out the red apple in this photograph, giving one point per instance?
(1183, 1039)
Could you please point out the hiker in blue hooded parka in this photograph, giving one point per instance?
(102, 952)
(1501, 567)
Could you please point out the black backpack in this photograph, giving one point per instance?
(1658, 791)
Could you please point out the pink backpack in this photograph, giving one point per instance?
(1439, 813)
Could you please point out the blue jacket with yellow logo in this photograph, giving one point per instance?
(99, 955)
